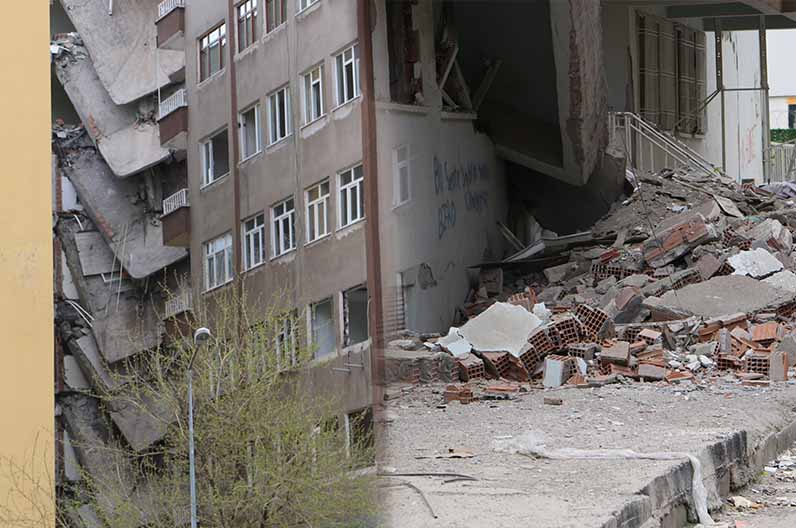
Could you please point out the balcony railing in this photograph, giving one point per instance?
(178, 304)
(175, 201)
(176, 101)
(167, 6)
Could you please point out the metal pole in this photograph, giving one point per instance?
(764, 96)
(191, 455)
(720, 87)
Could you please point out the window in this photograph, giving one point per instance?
(250, 140)
(304, 4)
(215, 157)
(401, 175)
(318, 211)
(352, 201)
(322, 328)
(218, 261)
(285, 342)
(313, 94)
(671, 69)
(279, 115)
(359, 435)
(347, 72)
(211, 52)
(253, 241)
(355, 316)
(247, 24)
(275, 14)
(284, 227)
(792, 116)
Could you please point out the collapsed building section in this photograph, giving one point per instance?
(118, 285)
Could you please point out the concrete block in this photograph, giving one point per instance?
(783, 280)
(651, 371)
(756, 263)
(618, 352)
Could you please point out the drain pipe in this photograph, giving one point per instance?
(365, 16)
(235, 143)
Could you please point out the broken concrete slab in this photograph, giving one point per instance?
(88, 357)
(676, 241)
(96, 257)
(757, 263)
(618, 352)
(502, 327)
(142, 422)
(771, 232)
(123, 47)
(651, 371)
(128, 143)
(73, 376)
(784, 280)
(715, 297)
(134, 235)
(788, 347)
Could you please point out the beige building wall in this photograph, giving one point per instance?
(26, 318)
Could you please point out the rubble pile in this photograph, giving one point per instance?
(691, 278)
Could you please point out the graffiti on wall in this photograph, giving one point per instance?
(460, 187)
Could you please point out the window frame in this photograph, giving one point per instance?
(282, 18)
(249, 21)
(205, 74)
(250, 259)
(208, 165)
(343, 206)
(258, 132)
(313, 337)
(340, 64)
(308, 4)
(209, 253)
(286, 333)
(311, 210)
(307, 93)
(277, 229)
(397, 165)
(273, 102)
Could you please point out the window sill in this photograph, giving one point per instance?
(251, 48)
(274, 32)
(283, 256)
(318, 361)
(458, 116)
(301, 15)
(219, 287)
(203, 83)
(206, 186)
(357, 348)
(347, 103)
(256, 267)
(246, 161)
(389, 106)
(397, 206)
(313, 243)
(321, 117)
(342, 230)
(276, 145)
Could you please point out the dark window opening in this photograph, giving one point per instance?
(404, 49)
(355, 310)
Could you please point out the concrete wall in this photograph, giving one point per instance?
(781, 73)
(311, 154)
(26, 272)
(778, 110)
(741, 69)
(457, 192)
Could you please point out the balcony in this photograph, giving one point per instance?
(180, 303)
(173, 121)
(176, 220)
(171, 24)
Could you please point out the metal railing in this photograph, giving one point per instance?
(175, 201)
(177, 100)
(650, 149)
(183, 302)
(167, 6)
(783, 162)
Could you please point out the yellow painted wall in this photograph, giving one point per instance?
(26, 318)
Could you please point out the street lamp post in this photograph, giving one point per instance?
(200, 337)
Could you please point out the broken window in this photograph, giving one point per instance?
(352, 200)
(403, 44)
(253, 241)
(347, 74)
(671, 68)
(215, 158)
(285, 342)
(211, 52)
(247, 24)
(355, 316)
(317, 211)
(792, 116)
(275, 14)
(304, 4)
(279, 115)
(359, 432)
(218, 261)
(313, 94)
(250, 141)
(322, 328)
(401, 175)
(283, 227)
